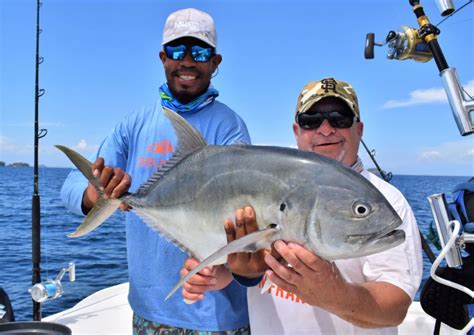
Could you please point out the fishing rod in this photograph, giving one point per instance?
(51, 288)
(387, 177)
(421, 45)
(38, 134)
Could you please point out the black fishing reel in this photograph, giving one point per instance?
(421, 45)
(411, 43)
(405, 44)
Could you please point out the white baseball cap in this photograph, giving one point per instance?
(190, 22)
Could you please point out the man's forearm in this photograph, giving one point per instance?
(72, 191)
(89, 198)
(373, 305)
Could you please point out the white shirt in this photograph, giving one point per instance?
(277, 312)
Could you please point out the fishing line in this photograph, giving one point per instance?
(387, 177)
(467, 93)
(44, 227)
(456, 11)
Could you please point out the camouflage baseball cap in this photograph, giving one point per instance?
(190, 22)
(328, 87)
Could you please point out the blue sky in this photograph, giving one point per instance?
(101, 62)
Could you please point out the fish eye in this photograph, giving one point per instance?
(361, 210)
(282, 207)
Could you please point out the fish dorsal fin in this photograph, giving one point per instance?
(240, 142)
(188, 140)
(175, 159)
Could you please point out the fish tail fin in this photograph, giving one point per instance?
(101, 211)
(103, 208)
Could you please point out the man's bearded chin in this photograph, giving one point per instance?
(184, 97)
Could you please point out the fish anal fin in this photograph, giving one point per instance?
(266, 285)
(252, 242)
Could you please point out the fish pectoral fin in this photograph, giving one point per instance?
(252, 242)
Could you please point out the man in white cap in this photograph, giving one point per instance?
(138, 146)
(364, 295)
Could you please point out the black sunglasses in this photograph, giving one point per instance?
(335, 119)
(198, 53)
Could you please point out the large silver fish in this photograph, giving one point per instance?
(297, 196)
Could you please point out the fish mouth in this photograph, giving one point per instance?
(396, 236)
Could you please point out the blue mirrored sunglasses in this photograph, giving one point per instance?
(335, 119)
(198, 53)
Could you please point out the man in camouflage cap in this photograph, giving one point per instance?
(327, 120)
(328, 87)
(364, 295)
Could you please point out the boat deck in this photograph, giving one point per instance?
(108, 312)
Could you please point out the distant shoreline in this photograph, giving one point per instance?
(373, 170)
(15, 164)
(26, 165)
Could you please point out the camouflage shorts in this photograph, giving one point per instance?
(145, 327)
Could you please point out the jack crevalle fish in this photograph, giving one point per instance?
(298, 196)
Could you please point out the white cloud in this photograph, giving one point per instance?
(427, 96)
(82, 144)
(7, 146)
(41, 125)
(430, 154)
(84, 147)
(52, 124)
(459, 152)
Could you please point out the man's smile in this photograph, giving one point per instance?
(187, 77)
(327, 144)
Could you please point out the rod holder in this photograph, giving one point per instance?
(461, 107)
(445, 7)
(443, 225)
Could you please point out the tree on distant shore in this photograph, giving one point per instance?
(2, 163)
(18, 164)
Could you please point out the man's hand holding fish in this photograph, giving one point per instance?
(307, 290)
(208, 279)
(113, 182)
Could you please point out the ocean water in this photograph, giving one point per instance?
(100, 256)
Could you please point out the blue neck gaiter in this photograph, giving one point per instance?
(169, 101)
